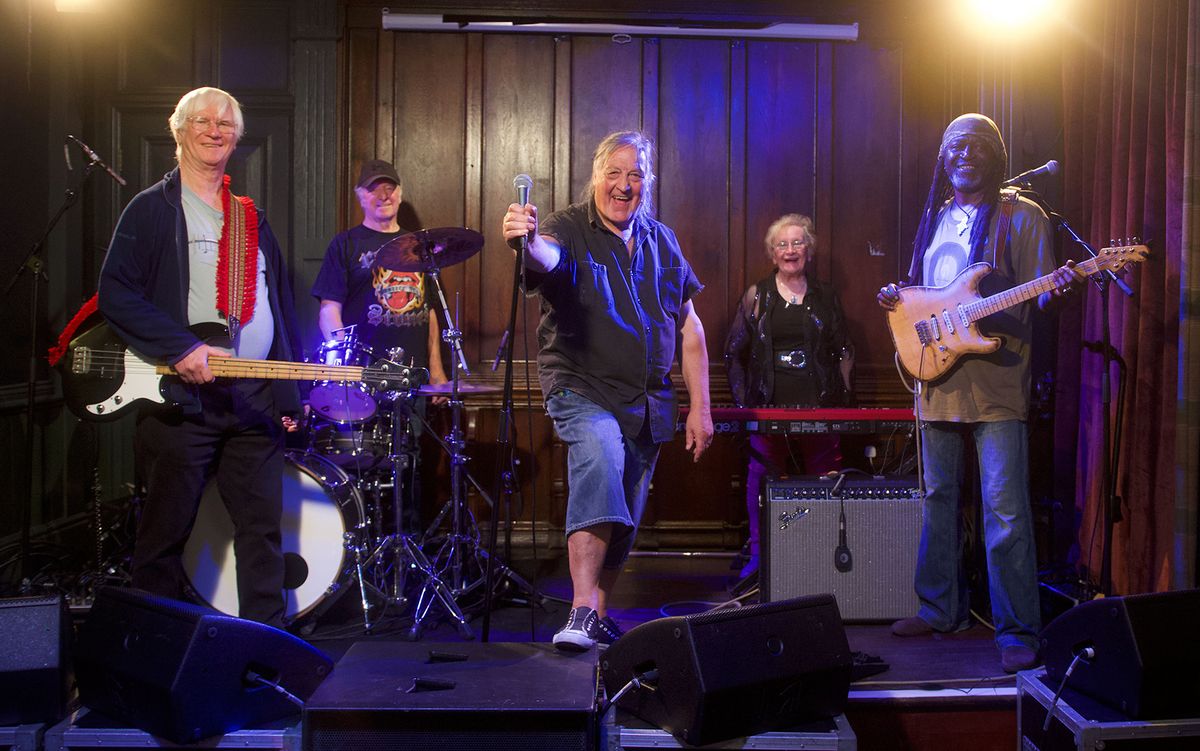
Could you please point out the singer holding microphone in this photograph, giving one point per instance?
(616, 292)
(968, 219)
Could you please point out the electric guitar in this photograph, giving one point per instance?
(932, 327)
(102, 377)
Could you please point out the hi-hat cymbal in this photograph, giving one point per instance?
(444, 389)
(439, 248)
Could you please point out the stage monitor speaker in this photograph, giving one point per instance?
(1146, 653)
(185, 672)
(734, 672)
(34, 671)
(867, 563)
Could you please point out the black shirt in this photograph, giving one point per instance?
(610, 320)
(388, 308)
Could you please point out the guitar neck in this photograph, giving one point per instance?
(236, 367)
(1022, 292)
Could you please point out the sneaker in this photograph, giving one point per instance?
(607, 632)
(578, 634)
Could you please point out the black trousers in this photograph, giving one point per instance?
(238, 439)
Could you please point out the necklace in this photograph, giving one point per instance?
(790, 298)
(968, 216)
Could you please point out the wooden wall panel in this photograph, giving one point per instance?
(865, 246)
(254, 51)
(693, 167)
(518, 137)
(606, 96)
(780, 179)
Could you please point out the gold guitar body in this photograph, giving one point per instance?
(930, 331)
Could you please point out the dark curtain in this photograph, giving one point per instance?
(1126, 78)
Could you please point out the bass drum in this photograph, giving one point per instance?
(320, 506)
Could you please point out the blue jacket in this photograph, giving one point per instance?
(144, 287)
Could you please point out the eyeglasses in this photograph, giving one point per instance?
(795, 244)
(201, 124)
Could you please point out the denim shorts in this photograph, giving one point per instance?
(608, 474)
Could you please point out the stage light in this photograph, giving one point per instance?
(397, 21)
(78, 6)
(991, 17)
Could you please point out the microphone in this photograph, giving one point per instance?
(522, 183)
(842, 560)
(95, 159)
(1049, 168)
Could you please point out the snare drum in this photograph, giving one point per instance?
(343, 402)
(355, 448)
(320, 506)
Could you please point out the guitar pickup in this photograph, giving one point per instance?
(949, 321)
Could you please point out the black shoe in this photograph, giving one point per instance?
(578, 634)
(607, 632)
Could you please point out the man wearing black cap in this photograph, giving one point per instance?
(968, 219)
(388, 308)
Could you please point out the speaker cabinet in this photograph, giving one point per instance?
(463, 696)
(867, 564)
(1146, 653)
(185, 672)
(735, 672)
(34, 674)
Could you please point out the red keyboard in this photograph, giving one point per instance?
(817, 420)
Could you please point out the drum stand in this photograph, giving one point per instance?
(400, 548)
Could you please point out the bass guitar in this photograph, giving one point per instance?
(932, 327)
(102, 377)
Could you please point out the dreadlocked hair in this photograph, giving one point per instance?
(941, 191)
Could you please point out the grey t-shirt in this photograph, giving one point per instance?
(204, 235)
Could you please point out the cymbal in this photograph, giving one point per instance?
(439, 248)
(444, 389)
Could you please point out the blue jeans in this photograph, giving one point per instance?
(1003, 450)
(608, 475)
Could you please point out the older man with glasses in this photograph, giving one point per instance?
(186, 251)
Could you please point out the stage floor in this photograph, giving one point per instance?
(665, 584)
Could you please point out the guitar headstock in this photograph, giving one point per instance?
(386, 375)
(1115, 256)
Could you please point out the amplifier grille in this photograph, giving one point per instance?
(801, 541)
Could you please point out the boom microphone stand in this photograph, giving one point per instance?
(35, 266)
(1111, 454)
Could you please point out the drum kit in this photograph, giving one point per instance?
(349, 493)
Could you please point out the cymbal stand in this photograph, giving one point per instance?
(460, 549)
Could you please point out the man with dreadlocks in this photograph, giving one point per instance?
(968, 219)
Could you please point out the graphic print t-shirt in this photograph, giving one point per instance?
(389, 308)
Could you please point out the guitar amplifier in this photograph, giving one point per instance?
(867, 562)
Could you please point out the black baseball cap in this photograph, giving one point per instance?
(376, 169)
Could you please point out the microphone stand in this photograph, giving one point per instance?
(1111, 455)
(505, 467)
(35, 266)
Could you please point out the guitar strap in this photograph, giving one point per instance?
(86, 311)
(1008, 202)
